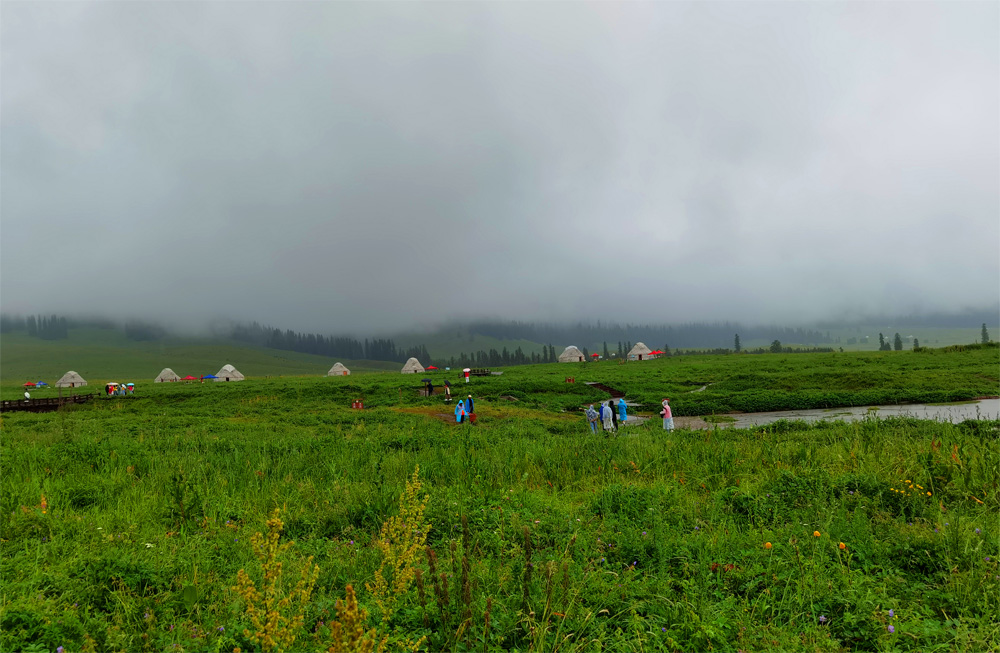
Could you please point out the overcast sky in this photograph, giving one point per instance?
(375, 166)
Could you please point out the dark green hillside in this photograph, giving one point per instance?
(104, 354)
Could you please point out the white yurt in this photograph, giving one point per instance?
(229, 373)
(70, 380)
(338, 370)
(571, 355)
(640, 352)
(413, 366)
(167, 376)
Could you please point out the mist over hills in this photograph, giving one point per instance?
(512, 342)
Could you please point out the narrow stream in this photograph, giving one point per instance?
(954, 413)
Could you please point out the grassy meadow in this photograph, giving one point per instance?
(101, 355)
(126, 522)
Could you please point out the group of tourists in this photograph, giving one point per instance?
(119, 389)
(606, 416)
(465, 410)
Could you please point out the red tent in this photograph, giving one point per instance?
(594, 355)
(29, 384)
(430, 367)
(190, 378)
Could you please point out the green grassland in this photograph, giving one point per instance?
(644, 541)
(104, 355)
(936, 337)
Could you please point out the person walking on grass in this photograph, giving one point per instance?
(668, 416)
(460, 412)
(606, 417)
(614, 416)
(469, 406)
(592, 417)
(621, 410)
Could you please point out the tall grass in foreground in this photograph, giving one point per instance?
(544, 537)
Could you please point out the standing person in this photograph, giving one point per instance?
(614, 415)
(447, 392)
(621, 410)
(606, 418)
(592, 418)
(469, 406)
(459, 412)
(668, 416)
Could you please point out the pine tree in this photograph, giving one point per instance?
(985, 335)
(606, 354)
(916, 344)
(897, 343)
(736, 343)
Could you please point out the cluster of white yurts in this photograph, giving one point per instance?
(571, 354)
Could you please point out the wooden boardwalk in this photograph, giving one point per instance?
(43, 405)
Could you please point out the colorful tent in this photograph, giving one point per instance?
(190, 378)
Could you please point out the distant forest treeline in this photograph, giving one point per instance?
(376, 349)
(696, 335)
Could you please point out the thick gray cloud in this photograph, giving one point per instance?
(340, 166)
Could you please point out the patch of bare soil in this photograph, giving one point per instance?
(691, 423)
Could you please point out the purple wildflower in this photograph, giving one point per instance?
(822, 619)
(59, 649)
(978, 531)
(891, 628)
(222, 629)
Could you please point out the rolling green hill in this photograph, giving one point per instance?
(104, 354)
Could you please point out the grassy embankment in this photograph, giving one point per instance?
(639, 542)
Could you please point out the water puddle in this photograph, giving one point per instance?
(954, 413)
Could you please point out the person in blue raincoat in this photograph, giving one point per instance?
(460, 412)
(621, 411)
(592, 418)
